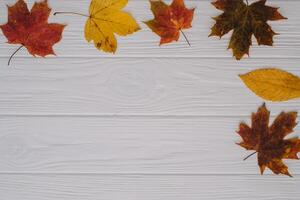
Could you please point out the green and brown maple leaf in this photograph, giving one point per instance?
(245, 20)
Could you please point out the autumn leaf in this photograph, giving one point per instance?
(268, 141)
(245, 20)
(273, 84)
(170, 20)
(31, 29)
(106, 19)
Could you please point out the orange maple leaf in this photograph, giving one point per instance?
(245, 20)
(31, 28)
(170, 20)
(268, 142)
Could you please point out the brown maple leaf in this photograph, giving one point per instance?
(245, 20)
(170, 20)
(31, 29)
(268, 142)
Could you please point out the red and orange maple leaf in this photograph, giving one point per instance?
(170, 20)
(268, 142)
(31, 29)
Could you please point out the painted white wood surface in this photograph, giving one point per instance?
(154, 187)
(185, 145)
(147, 123)
(133, 86)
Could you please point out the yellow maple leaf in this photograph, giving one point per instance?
(106, 19)
(273, 84)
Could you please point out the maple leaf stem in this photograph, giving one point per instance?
(14, 53)
(72, 13)
(249, 155)
(186, 39)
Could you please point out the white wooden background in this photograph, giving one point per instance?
(148, 123)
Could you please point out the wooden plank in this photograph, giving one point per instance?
(145, 43)
(133, 86)
(134, 187)
(195, 145)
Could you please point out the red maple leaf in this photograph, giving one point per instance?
(268, 142)
(170, 20)
(31, 29)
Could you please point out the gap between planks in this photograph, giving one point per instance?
(155, 57)
(136, 174)
(162, 116)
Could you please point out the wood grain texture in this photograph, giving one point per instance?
(145, 43)
(196, 145)
(136, 187)
(133, 86)
(148, 123)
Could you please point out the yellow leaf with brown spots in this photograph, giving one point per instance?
(106, 19)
